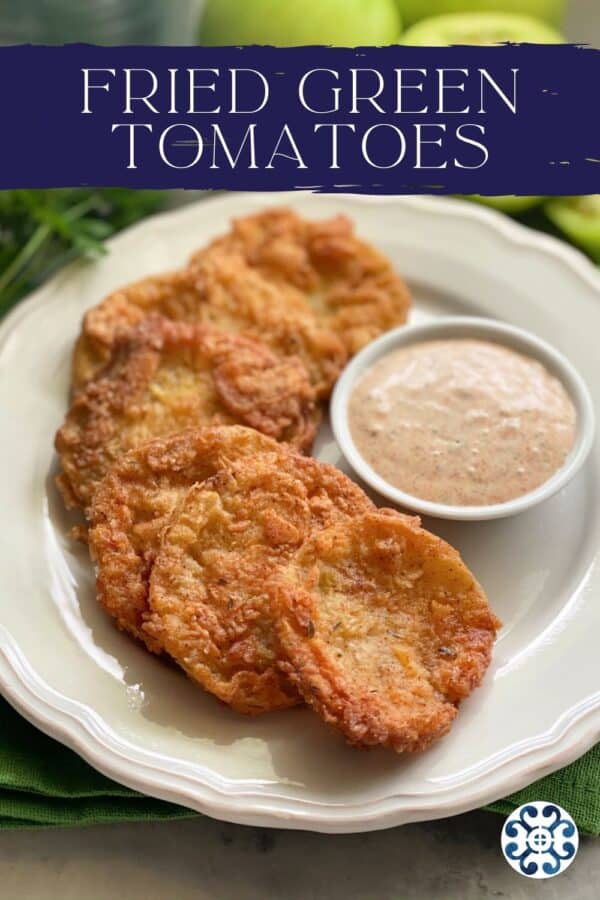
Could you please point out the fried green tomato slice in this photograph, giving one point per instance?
(384, 630)
(210, 608)
(165, 376)
(223, 291)
(351, 288)
(134, 503)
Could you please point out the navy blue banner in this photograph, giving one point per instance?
(493, 120)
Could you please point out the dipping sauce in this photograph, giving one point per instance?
(461, 422)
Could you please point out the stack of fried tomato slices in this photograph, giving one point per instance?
(269, 577)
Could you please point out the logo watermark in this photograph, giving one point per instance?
(539, 839)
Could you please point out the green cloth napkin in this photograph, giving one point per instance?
(43, 783)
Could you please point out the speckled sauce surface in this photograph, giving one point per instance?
(462, 422)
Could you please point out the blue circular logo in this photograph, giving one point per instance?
(539, 840)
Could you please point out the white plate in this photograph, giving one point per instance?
(65, 667)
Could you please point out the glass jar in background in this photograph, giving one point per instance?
(98, 21)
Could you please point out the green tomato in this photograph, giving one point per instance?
(551, 11)
(509, 203)
(480, 28)
(289, 23)
(484, 28)
(579, 219)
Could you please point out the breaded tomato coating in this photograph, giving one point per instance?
(210, 608)
(351, 287)
(165, 376)
(170, 294)
(135, 501)
(222, 291)
(383, 629)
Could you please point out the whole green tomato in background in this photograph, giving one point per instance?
(480, 28)
(507, 203)
(289, 23)
(484, 28)
(579, 220)
(552, 11)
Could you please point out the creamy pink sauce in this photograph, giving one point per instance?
(461, 422)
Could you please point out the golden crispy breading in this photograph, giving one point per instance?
(223, 291)
(134, 503)
(240, 298)
(165, 376)
(351, 287)
(171, 294)
(384, 628)
(209, 606)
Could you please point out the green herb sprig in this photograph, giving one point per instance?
(41, 230)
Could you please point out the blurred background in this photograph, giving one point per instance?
(42, 230)
(284, 22)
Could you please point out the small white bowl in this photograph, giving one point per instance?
(466, 327)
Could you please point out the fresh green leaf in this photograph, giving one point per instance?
(41, 230)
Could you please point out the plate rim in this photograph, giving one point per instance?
(75, 724)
